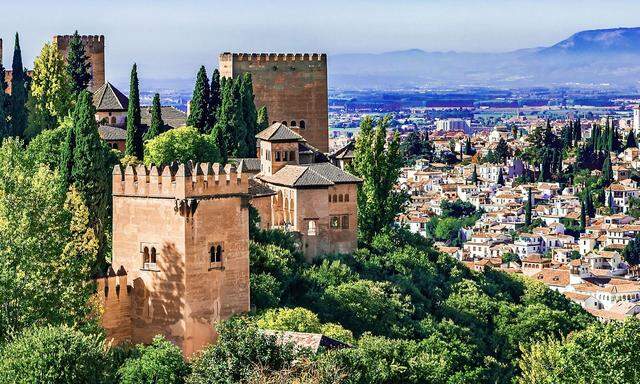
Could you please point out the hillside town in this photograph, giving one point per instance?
(582, 258)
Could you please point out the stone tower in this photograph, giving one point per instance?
(292, 86)
(94, 48)
(181, 247)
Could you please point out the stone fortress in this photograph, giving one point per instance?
(180, 254)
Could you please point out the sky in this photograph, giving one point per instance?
(170, 39)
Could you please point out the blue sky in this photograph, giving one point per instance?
(170, 39)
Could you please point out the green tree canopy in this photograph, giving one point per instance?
(378, 164)
(47, 247)
(60, 355)
(50, 92)
(161, 362)
(199, 116)
(181, 144)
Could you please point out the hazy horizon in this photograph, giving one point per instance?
(171, 39)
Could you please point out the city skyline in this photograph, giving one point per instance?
(197, 31)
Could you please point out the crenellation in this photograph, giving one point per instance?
(179, 180)
(296, 57)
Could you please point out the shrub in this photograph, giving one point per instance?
(159, 363)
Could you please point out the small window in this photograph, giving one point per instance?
(292, 155)
(329, 198)
(215, 255)
(346, 198)
(145, 255)
(273, 122)
(340, 198)
(312, 231)
(293, 123)
(113, 120)
(335, 198)
(285, 156)
(302, 124)
(335, 222)
(284, 123)
(277, 155)
(153, 255)
(345, 222)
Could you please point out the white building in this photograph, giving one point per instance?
(452, 125)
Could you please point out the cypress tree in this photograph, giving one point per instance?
(500, 177)
(583, 216)
(527, 212)
(263, 119)
(78, 65)
(607, 172)
(577, 130)
(4, 106)
(19, 114)
(157, 125)
(631, 140)
(199, 110)
(214, 99)
(588, 203)
(250, 116)
(134, 144)
(85, 165)
(222, 130)
(238, 125)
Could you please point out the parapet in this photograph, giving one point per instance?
(114, 286)
(65, 39)
(179, 181)
(287, 57)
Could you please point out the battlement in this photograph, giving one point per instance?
(299, 57)
(86, 39)
(113, 286)
(179, 181)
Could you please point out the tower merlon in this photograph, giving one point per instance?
(179, 180)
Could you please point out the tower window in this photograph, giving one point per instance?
(153, 255)
(149, 257)
(215, 255)
(346, 198)
(312, 230)
(284, 123)
(340, 198)
(277, 155)
(302, 124)
(293, 123)
(145, 255)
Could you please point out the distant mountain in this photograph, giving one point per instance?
(588, 58)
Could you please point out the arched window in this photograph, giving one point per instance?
(215, 253)
(273, 122)
(293, 123)
(346, 198)
(219, 253)
(329, 198)
(153, 255)
(284, 123)
(303, 125)
(212, 254)
(340, 198)
(145, 255)
(335, 198)
(113, 120)
(312, 231)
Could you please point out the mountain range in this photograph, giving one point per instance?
(593, 58)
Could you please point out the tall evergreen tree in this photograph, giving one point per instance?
(222, 131)
(588, 203)
(502, 151)
(134, 144)
(500, 177)
(263, 118)
(474, 175)
(378, 164)
(85, 165)
(250, 115)
(468, 148)
(607, 171)
(4, 105)
(199, 108)
(527, 209)
(78, 65)
(215, 99)
(19, 85)
(157, 124)
(583, 216)
(577, 130)
(631, 140)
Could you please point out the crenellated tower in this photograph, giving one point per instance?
(94, 48)
(181, 239)
(293, 87)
